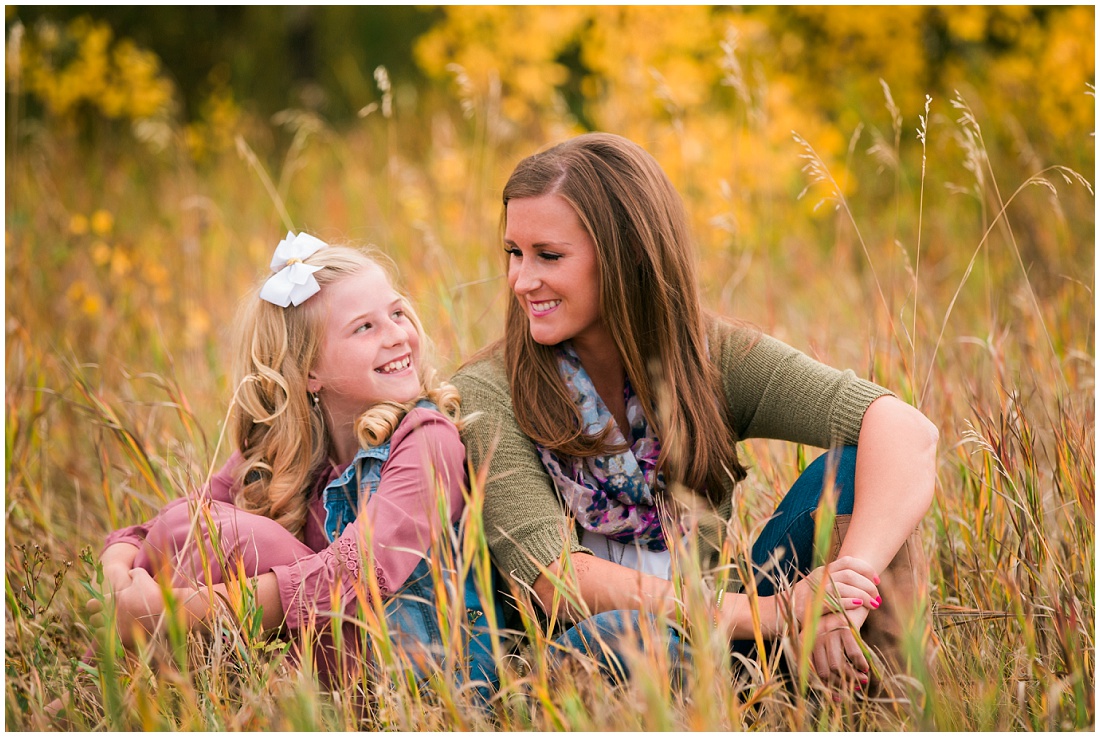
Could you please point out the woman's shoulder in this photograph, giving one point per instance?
(482, 382)
(730, 338)
(487, 365)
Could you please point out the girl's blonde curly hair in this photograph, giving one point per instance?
(276, 426)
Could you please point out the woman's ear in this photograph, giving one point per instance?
(313, 384)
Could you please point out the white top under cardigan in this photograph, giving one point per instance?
(654, 563)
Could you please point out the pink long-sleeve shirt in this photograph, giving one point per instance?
(426, 458)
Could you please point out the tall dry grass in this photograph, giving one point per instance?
(966, 290)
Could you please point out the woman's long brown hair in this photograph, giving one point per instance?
(649, 300)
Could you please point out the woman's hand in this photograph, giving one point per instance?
(837, 657)
(851, 584)
(138, 605)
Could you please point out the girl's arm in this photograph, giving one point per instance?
(426, 457)
(117, 561)
(140, 605)
(401, 517)
(220, 488)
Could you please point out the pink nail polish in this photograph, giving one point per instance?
(874, 604)
(876, 580)
(857, 602)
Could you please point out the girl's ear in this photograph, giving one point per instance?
(313, 384)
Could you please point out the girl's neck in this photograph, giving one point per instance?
(343, 444)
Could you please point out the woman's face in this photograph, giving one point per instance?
(553, 272)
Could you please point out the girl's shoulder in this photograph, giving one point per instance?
(424, 419)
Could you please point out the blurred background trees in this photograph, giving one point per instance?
(932, 226)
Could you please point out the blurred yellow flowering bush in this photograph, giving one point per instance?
(81, 63)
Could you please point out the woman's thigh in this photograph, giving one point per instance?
(785, 545)
(612, 638)
(188, 540)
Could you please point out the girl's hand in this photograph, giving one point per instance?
(116, 578)
(117, 560)
(850, 583)
(138, 605)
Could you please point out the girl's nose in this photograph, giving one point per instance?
(394, 333)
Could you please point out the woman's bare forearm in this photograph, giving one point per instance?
(895, 480)
(606, 586)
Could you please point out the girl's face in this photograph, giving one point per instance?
(371, 350)
(553, 272)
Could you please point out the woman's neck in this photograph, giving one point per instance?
(604, 367)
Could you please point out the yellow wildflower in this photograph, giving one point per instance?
(101, 253)
(102, 222)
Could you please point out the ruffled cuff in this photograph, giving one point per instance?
(308, 587)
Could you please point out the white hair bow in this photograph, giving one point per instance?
(293, 280)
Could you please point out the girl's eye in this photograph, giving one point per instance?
(363, 328)
(399, 314)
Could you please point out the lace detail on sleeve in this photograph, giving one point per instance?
(383, 587)
(347, 552)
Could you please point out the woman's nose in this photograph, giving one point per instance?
(525, 279)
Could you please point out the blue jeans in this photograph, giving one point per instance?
(411, 615)
(784, 547)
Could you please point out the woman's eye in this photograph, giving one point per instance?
(549, 256)
(513, 252)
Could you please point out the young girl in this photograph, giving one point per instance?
(344, 442)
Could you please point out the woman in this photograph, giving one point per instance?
(612, 385)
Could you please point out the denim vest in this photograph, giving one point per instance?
(411, 613)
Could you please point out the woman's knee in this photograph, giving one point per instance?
(785, 546)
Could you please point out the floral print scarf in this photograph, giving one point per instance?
(613, 495)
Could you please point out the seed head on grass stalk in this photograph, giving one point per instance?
(818, 173)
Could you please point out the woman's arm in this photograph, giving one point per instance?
(525, 525)
(606, 586)
(895, 480)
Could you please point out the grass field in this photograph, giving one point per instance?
(951, 273)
